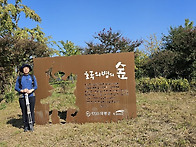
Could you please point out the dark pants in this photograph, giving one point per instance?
(24, 110)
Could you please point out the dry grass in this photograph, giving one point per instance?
(164, 119)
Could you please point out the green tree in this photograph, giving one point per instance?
(10, 15)
(18, 45)
(140, 59)
(182, 41)
(111, 42)
(160, 64)
(152, 48)
(68, 48)
(13, 53)
(152, 45)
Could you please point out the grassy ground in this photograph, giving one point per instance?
(164, 119)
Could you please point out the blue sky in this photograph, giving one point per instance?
(79, 20)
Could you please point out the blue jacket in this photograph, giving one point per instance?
(26, 82)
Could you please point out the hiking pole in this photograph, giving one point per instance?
(29, 112)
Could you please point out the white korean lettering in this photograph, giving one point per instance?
(121, 71)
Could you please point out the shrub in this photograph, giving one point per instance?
(142, 85)
(9, 97)
(162, 85)
(193, 85)
(179, 85)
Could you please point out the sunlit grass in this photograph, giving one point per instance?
(62, 98)
(163, 119)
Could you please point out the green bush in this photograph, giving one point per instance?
(162, 85)
(193, 85)
(9, 97)
(179, 85)
(142, 85)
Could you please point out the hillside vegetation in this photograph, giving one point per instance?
(163, 119)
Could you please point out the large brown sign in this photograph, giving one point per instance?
(105, 88)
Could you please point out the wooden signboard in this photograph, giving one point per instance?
(105, 88)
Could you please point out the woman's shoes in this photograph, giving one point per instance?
(26, 129)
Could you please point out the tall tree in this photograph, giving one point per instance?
(140, 59)
(161, 63)
(111, 42)
(152, 45)
(182, 41)
(18, 45)
(10, 15)
(152, 48)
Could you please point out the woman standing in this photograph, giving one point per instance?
(26, 83)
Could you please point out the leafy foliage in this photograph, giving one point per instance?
(161, 64)
(9, 97)
(10, 15)
(111, 42)
(193, 85)
(162, 85)
(173, 58)
(18, 45)
(68, 49)
(13, 53)
(152, 45)
(140, 60)
(179, 85)
(182, 41)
